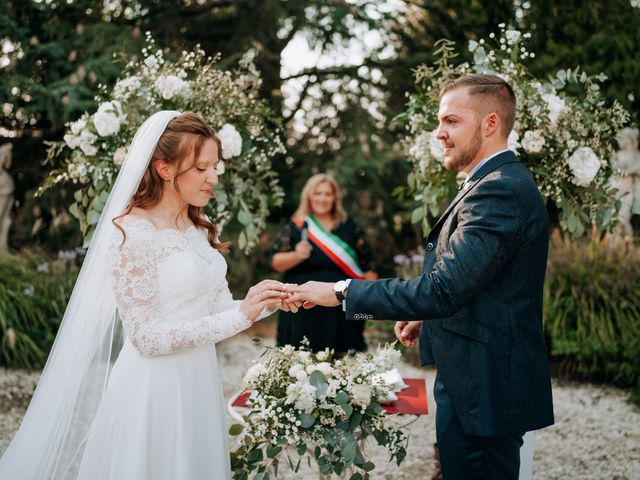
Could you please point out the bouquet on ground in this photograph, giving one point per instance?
(563, 133)
(95, 145)
(308, 406)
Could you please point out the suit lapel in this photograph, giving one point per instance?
(486, 169)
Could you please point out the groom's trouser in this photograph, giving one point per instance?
(466, 457)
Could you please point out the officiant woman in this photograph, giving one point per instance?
(323, 243)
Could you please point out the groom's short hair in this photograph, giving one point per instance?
(496, 96)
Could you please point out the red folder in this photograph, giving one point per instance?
(411, 400)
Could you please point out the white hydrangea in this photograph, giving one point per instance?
(556, 107)
(231, 141)
(254, 373)
(119, 155)
(170, 86)
(126, 86)
(361, 394)
(533, 141)
(302, 395)
(108, 118)
(584, 165)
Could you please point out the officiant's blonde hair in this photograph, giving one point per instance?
(304, 209)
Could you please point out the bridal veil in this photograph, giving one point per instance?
(50, 440)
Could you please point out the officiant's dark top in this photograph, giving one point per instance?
(323, 326)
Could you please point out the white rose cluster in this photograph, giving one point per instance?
(170, 86)
(302, 395)
(231, 141)
(584, 165)
(108, 118)
(533, 141)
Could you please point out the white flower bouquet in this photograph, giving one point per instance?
(95, 146)
(308, 405)
(566, 140)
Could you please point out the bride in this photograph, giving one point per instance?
(157, 411)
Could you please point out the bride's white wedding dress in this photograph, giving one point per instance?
(162, 415)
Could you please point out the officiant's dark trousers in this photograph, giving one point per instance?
(467, 457)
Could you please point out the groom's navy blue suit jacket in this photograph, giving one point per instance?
(480, 296)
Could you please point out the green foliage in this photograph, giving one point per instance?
(34, 292)
(566, 141)
(597, 36)
(592, 309)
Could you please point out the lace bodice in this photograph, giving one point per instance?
(171, 289)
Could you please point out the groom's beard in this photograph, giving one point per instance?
(466, 156)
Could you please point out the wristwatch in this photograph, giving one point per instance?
(340, 289)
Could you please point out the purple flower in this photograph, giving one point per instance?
(29, 291)
(400, 259)
(67, 255)
(43, 267)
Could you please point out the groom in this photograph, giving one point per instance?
(477, 307)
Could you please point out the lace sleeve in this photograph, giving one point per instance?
(135, 285)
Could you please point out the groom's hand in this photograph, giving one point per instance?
(311, 294)
(407, 332)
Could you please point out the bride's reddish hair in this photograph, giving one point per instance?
(183, 137)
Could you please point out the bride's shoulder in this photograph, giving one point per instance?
(135, 223)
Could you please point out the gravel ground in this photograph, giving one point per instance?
(596, 435)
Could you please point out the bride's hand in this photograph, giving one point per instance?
(266, 294)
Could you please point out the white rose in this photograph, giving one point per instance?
(171, 86)
(78, 126)
(86, 143)
(72, 141)
(321, 355)
(119, 155)
(533, 141)
(301, 376)
(556, 107)
(107, 119)
(512, 141)
(584, 165)
(231, 141)
(254, 373)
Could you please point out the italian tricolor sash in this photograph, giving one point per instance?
(333, 246)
